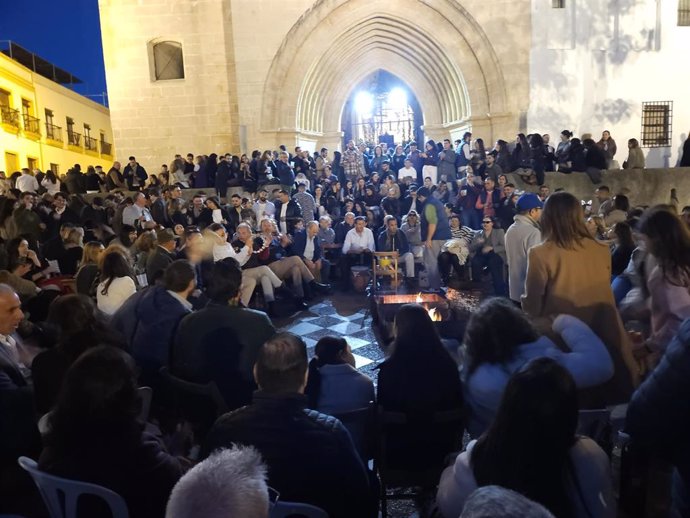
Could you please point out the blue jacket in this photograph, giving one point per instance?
(149, 320)
(285, 174)
(299, 243)
(659, 411)
(589, 363)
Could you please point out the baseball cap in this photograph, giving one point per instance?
(528, 201)
(165, 236)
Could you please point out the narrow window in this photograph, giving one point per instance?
(657, 121)
(168, 61)
(684, 13)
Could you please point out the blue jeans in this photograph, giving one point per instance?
(494, 264)
(472, 218)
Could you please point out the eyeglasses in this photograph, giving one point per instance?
(487, 222)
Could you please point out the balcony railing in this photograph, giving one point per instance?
(106, 148)
(90, 144)
(32, 124)
(9, 116)
(53, 132)
(73, 138)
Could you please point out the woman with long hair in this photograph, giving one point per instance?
(597, 228)
(532, 448)
(419, 378)
(335, 385)
(51, 183)
(636, 158)
(117, 281)
(375, 164)
(18, 250)
(74, 248)
(607, 145)
(430, 156)
(88, 268)
(563, 148)
(667, 239)
(570, 273)
(499, 339)
(95, 436)
(621, 207)
(503, 157)
(77, 326)
(478, 157)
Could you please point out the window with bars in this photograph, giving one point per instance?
(657, 121)
(684, 13)
(168, 62)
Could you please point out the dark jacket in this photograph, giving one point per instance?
(391, 206)
(685, 160)
(156, 263)
(75, 182)
(203, 219)
(128, 173)
(397, 242)
(56, 220)
(115, 180)
(595, 157)
(159, 212)
(220, 343)
(284, 173)
(143, 476)
(341, 230)
(293, 213)
(148, 320)
(92, 182)
(310, 456)
(299, 243)
(659, 411)
(86, 280)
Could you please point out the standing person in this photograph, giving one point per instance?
(446, 163)
(430, 156)
(463, 153)
(570, 273)
(522, 235)
(351, 161)
(608, 146)
(685, 159)
(435, 232)
(415, 156)
(51, 183)
(27, 182)
(134, 174)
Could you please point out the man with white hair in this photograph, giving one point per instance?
(230, 483)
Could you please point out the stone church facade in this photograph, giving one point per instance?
(258, 73)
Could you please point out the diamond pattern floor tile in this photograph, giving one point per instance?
(302, 328)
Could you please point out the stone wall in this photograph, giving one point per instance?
(642, 186)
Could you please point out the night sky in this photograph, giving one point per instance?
(65, 32)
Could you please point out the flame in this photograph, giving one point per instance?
(418, 300)
(434, 314)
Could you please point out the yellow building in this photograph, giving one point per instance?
(45, 125)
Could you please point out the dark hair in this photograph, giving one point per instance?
(113, 265)
(621, 202)
(98, 406)
(669, 243)
(493, 333)
(78, 325)
(328, 351)
(125, 230)
(562, 221)
(178, 275)
(567, 133)
(226, 279)
(281, 364)
(527, 446)
(412, 322)
(623, 232)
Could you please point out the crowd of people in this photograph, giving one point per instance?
(110, 281)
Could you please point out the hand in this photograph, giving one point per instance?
(487, 249)
(42, 226)
(310, 264)
(32, 255)
(427, 243)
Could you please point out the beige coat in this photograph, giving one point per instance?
(578, 282)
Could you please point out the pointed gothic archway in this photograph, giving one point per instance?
(432, 46)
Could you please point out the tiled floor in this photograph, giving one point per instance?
(343, 315)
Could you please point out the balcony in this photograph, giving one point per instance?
(54, 132)
(74, 141)
(90, 145)
(32, 127)
(106, 148)
(9, 117)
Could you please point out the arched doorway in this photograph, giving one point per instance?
(382, 108)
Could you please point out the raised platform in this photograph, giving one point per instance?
(642, 186)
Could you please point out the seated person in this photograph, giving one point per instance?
(413, 231)
(357, 248)
(499, 339)
(230, 483)
(335, 385)
(531, 448)
(295, 442)
(455, 252)
(419, 379)
(489, 250)
(95, 436)
(391, 240)
(221, 341)
(306, 246)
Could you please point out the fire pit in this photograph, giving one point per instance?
(449, 321)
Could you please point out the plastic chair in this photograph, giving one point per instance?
(61, 495)
(295, 510)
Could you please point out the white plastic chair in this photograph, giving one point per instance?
(51, 488)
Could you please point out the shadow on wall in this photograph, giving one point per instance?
(659, 157)
(683, 138)
(613, 111)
